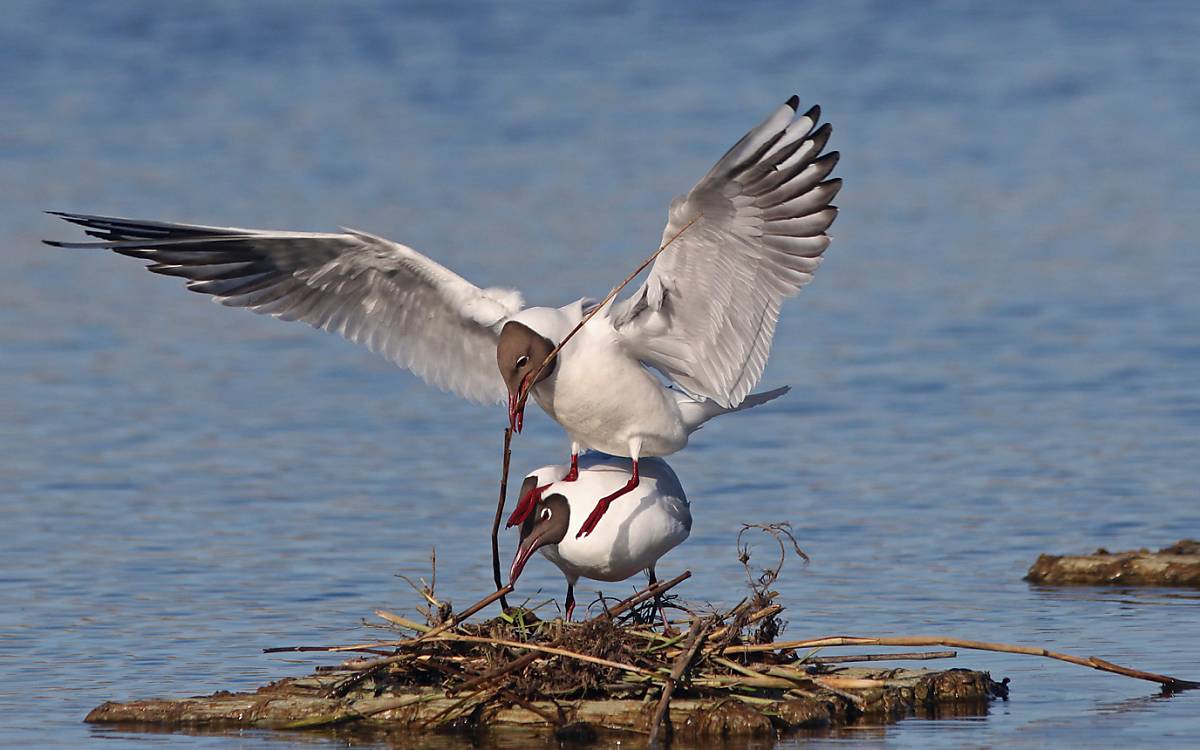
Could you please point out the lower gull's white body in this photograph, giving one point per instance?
(638, 529)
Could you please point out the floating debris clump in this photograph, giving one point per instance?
(1177, 565)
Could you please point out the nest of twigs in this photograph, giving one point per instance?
(629, 650)
(626, 651)
(519, 659)
(458, 673)
(623, 652)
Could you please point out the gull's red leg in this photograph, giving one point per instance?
(602, 506)
(573, 474)
(530, 495)
(570, 600)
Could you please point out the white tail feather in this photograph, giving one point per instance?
(696, 413)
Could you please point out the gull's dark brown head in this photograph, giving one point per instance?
(547, 524)
(520, 351)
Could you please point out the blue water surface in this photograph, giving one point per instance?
(1000, 356)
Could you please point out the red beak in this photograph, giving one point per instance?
(524, 552)
(516, 414)
(516, 417)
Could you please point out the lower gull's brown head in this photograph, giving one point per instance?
(547, 524)
(519, 353)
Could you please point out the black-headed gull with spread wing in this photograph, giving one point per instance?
(704, 318)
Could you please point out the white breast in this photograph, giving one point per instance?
(606, 399)
(638, 528)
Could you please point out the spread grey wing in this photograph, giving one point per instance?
(706, 314)
(374, 292)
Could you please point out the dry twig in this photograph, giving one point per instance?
(1093, 662)
(699, 631)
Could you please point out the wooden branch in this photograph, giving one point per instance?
(366, 648)
(1093, 662)
(403, 622)
(507, 456)
(699, 631)
(457, 619)
(900, 656)
(649, 593)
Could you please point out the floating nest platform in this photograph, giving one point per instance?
(1177, 565)
(716, 674)
(697, 674)
(796, 703)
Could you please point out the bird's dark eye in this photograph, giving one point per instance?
(546, 514)
(522, 360)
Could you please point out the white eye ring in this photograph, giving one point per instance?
(522, 361)
(546, 514)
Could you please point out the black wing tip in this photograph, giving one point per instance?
(77, 245)
(794, 102)
(71, 216)
(814, 113)
(83, 220)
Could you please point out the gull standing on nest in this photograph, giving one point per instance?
(652, 520)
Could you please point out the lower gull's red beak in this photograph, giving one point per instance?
(524, 552)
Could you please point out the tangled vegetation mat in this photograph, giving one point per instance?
(648, 664)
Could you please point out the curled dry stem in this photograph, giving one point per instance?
(782, 534)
